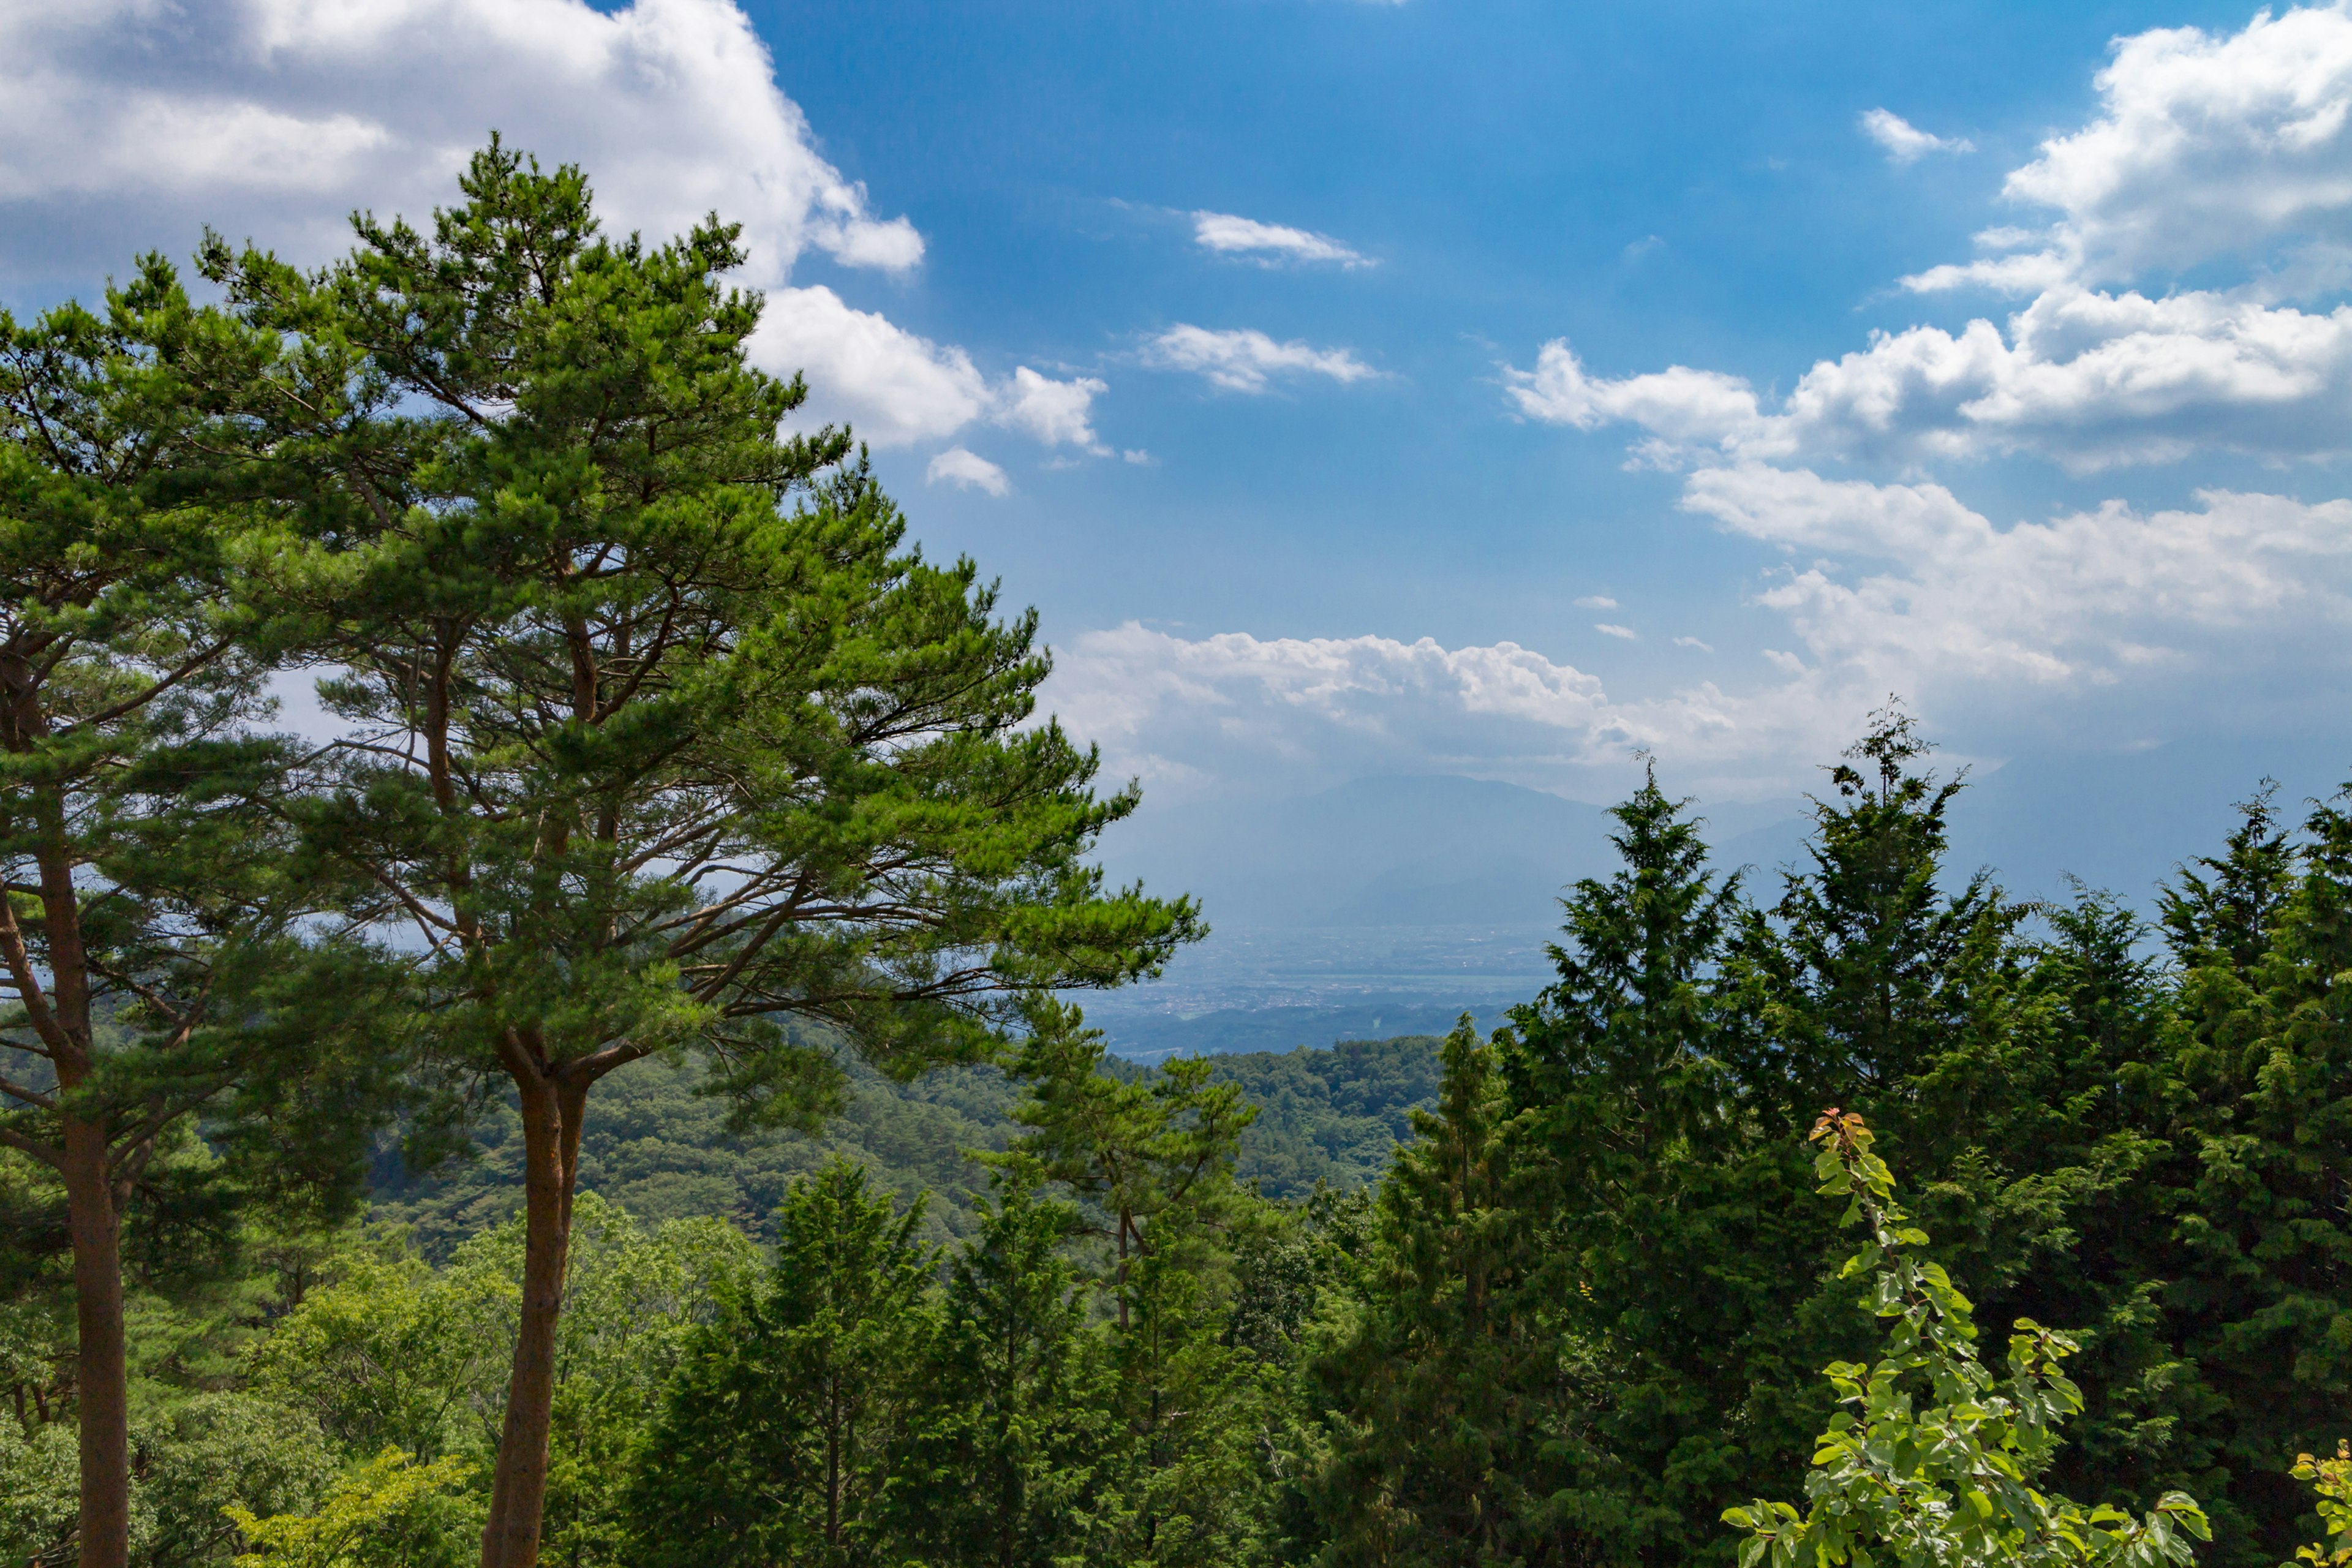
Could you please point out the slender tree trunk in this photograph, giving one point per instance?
(100, 1375)
(552, 1112)
(93, 1217)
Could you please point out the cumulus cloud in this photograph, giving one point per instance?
(1906, 142)
(1191, 714)
(1607, 630)
(895, 387)
(2206, 146)
(967, 470)
(124, 122)
(1270, 244)
(126, 125)
(1056, 413)
(2090, 380)
(2207, 149)
(2110, 620)
(1245, 360)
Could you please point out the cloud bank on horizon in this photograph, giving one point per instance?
(2171, 276)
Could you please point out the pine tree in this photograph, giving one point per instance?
(659, 737)
(149, 929)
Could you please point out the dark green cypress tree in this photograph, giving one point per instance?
(1153, 1162)
(2256, 1295)
(1010, 1464)
(1444, 1384)
(1665, 1224)
(778, 1432)
(2222, 913)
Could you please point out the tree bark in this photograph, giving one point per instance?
(551, 1111)
(101, 1376)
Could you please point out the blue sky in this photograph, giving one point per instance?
(2109, 518)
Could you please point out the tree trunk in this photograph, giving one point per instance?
(552, 1112)
(102, 1377)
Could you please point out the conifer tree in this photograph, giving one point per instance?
(149, 934)
(1446, 1384)
(2257, 1071)
(659, 737)
(1869, 978)
(1009, 1466)
(2223, 914)
(1155, 1158)
(1662, 1226)
(776, 1439)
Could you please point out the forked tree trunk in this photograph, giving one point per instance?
(100, 1375)
(552, 1112)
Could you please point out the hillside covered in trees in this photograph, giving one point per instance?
(659, 1151)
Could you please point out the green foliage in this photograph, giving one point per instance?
(1933, 1460)
(1445, 1374)
(384, 1513)
(2331, 1479)
(1007, 1465)
(662, 1149)
(777, 1434)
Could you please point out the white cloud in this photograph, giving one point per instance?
(1196, 716)
(2207, 149)
(2207, 146)
(2090, 380)
(897, 387)
(967, 470)
(1139, 456)
(1606, 629)
(2086, 602)
(1596, 602)
(1270, 243)
(1056, 413)
(1244, 360)
(126, 125)
(2152, 615)
(131, 122)
(1906, 142)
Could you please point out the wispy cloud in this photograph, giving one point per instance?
(967, 470)
(1606, 629)
(1906, 142)
(1596, 602)
(1270, 244)
(1246, 360)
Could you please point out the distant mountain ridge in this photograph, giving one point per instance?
(1396, 902)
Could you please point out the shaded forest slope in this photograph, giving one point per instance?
(661, 1150)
